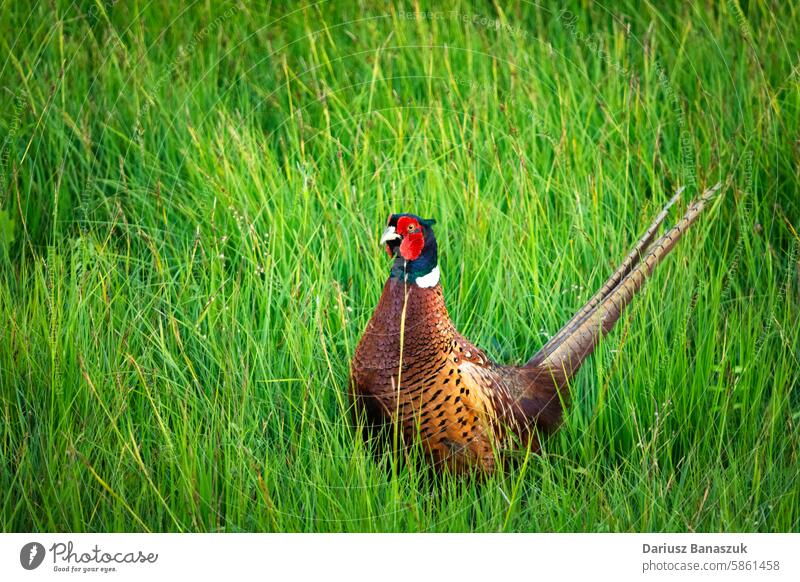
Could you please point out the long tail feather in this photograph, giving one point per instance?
(625, 267)
(578, 342)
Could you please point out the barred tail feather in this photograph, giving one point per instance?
(625, 267)
(578, 339)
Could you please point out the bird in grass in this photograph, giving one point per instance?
(413, 368)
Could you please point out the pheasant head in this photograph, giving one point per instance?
(410, 241)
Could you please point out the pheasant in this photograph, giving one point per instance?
(462, 406)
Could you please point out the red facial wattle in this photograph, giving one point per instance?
(411, 247)
(413, 239)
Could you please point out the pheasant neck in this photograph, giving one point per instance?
(423, 271)
(421, 278)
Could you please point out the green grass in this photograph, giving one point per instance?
(191, 201)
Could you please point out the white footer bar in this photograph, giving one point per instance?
(406, 557)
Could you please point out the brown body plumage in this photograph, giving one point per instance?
(462, 406)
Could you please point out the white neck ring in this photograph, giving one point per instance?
(428, 280)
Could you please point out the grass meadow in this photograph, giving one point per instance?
(192, 195)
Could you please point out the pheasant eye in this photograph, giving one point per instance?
(410, 228)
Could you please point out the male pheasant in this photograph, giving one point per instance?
(462, 406)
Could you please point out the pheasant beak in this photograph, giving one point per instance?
(389, 235)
